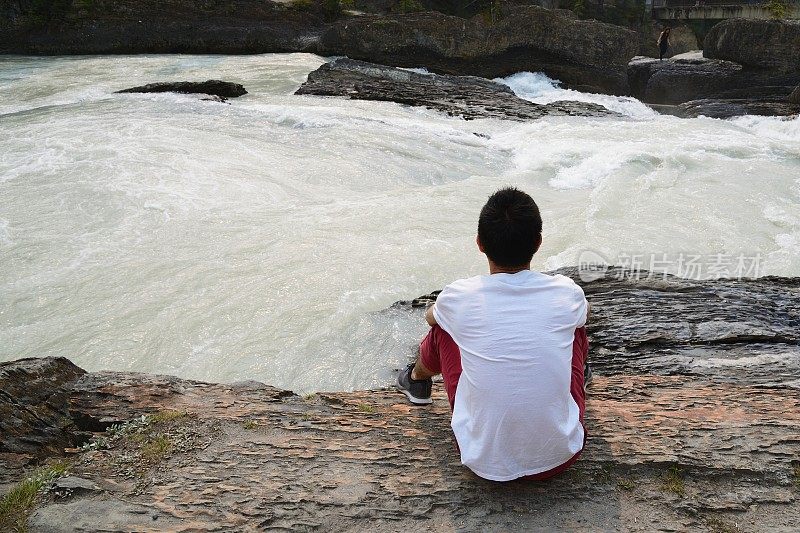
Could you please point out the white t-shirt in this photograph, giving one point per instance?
(514, 415)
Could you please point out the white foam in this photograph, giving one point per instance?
(538, 88)
(5, 232)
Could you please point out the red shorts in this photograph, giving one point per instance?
(440, 354)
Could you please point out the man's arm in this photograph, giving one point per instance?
(429, 316)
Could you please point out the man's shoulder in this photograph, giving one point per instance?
(464, 285)
(560, 280)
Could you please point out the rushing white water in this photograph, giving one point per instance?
(259, 240)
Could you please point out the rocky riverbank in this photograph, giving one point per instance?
(693, 420)
(747, 67)
(750, 66)
(585, 55)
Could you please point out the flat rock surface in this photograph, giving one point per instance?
(693, 421)
(466, 96)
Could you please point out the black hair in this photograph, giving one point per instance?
(510, 227)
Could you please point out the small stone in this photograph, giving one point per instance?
(73, 485)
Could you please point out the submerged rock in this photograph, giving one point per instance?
(729, 108)
(464, 96)
(218, 88)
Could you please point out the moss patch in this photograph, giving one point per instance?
(718, 525)
(672, 481)
(166, 416)
(155, 448)
(626, 484)
(16, 506)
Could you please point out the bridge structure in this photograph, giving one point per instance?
(708, 10)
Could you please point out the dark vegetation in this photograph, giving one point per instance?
(40, 13)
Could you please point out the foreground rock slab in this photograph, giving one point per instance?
(221, 89)
(464, 96)
(693, 423)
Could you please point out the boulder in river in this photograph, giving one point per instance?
(677, 80)
(466, 96)
(219, 88)
(760, 44)
(684, 79)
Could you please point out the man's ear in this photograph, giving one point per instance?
(478, 242)
(538, 244)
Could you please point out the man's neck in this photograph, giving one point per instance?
(497, 269)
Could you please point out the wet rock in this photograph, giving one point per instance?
(761, 44)
(728, 108)
(464, 96)
(794, 98)
(216, 88)
(34, 413)
(673, 81)
(686, 79)
(583, 54)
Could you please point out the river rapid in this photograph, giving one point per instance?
(261, 239)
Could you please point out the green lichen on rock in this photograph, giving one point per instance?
(672, 481)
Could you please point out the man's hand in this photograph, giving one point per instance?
(429, 316)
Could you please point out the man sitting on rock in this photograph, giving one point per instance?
(511, 347)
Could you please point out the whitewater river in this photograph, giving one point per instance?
(257, 240)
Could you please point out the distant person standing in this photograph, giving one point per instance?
(663, 43)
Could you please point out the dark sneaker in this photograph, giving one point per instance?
(417, 390)
(588, 376)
